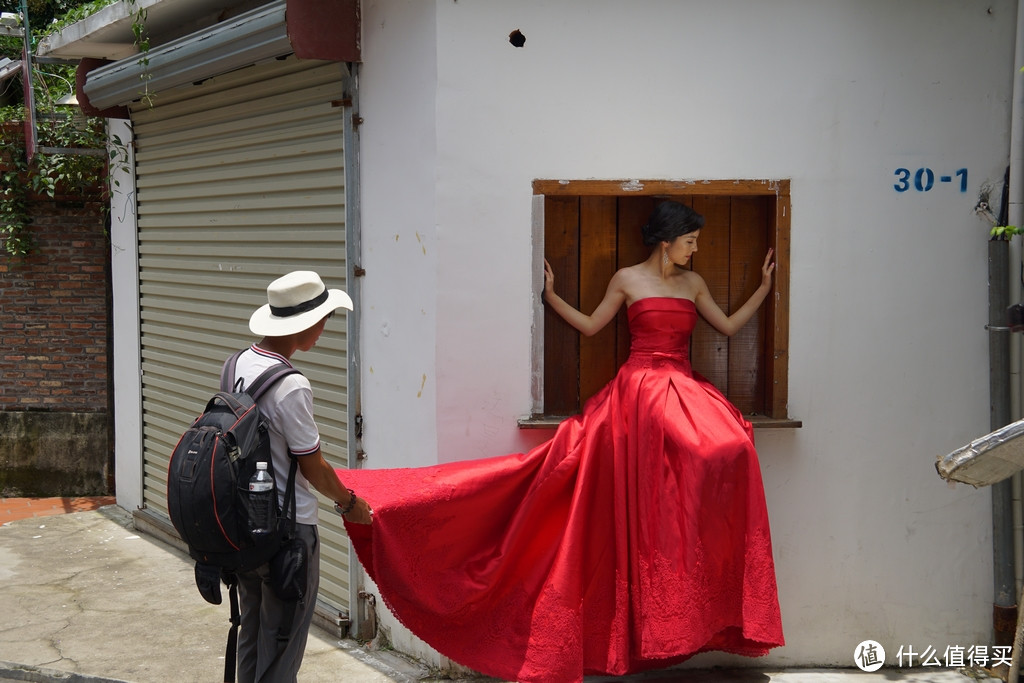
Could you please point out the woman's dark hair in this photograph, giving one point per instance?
(668, 221)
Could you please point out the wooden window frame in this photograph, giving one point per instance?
(773, 355)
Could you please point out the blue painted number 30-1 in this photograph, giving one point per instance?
(923, 179)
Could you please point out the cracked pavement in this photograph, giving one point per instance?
(86, 594)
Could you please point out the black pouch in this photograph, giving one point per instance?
(208, 578)
(288, 570)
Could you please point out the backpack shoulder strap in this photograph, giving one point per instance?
(260, 385)
(231, 651)
(268, 378)
(227, 371)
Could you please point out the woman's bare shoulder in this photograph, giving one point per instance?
(630, 273)
(693, 284)
(630, 278)
(690, 276)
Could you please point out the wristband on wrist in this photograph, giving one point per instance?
(344, 510)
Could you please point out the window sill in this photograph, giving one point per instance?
(765, 422)
(758, 421)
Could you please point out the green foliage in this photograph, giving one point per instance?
(42, 12)
(69, 170)
(62, 172)
(1005, 232)
(66, 173)
(141, 35)
(50, 81)
(14, 218)
(77, 13)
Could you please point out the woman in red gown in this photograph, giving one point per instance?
(634, 538)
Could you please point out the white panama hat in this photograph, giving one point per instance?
(296, 302)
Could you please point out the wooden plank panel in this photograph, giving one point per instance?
(635, 200)
(746, 348)
(777, 376)
(633, 214)
(709, 348)
(561, 347)
(597, 265)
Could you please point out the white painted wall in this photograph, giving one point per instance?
(398, 150)
(888, 349)
(124, 272)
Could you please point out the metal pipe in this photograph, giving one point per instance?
(26, 77)
(999, 416)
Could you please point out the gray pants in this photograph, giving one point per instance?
(262, 614)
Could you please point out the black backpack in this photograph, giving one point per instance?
(207, 490)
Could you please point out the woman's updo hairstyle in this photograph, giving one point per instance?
(668, 221)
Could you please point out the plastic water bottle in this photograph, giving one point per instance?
(261, 498)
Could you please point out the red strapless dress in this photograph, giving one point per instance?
(634, 538)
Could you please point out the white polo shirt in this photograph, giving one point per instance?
(287, 408)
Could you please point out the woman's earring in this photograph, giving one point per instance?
(664, 256)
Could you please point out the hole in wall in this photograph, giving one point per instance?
(517, 38)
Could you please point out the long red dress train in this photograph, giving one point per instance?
(634, 538)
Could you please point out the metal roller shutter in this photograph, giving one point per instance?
(240, 179)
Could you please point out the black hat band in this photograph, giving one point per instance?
(287, 311)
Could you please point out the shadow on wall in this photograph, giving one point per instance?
(49, 454)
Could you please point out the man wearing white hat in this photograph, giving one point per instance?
(298, 308)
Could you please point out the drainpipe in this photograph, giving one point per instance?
(1004, 394)
(1004, 608)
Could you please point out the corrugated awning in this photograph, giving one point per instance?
(8, 68)
(252, 37)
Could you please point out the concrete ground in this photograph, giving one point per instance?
(85, 598)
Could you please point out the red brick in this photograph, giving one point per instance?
(54, 311)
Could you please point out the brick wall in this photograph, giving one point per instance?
(55, 409)
(53, 312)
